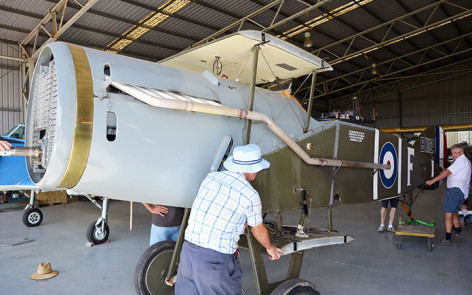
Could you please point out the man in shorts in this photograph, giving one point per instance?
(458, 180)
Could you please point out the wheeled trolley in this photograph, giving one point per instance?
(415, 230)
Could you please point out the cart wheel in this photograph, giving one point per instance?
(429, 244)
(399, 241)
(32, 217)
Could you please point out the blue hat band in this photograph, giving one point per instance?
(247, 162)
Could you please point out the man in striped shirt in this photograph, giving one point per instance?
(225, 203)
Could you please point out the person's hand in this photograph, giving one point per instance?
(4, 145)
(161, 210)
(274, 253)
(429, 182)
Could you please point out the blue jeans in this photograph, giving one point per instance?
(159, 234)
(204, 271)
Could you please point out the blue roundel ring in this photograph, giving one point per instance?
(388, 154)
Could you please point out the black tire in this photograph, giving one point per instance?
(399, 242)
(32, 217)
(151, 269)
(429, 244)
(295, 287)
(95, 236)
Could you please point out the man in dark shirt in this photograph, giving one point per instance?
(166, 222)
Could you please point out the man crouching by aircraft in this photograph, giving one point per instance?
(209, 262)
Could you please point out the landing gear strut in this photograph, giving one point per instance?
(98, 232)
(32, 216)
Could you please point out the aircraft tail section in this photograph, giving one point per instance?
(433, 141)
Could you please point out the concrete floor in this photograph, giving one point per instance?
(371, 264)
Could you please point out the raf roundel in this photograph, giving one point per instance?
(388, 155)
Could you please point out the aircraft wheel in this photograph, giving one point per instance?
(32, 217)
(295, 286)
(398, 242)
(97, 236)
(151, 269)
(429, 244)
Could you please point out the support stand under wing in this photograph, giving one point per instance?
(290, 244)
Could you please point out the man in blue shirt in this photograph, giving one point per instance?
(225, 203)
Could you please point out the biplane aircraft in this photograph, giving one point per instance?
(110, 125)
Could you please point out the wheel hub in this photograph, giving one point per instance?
(99, 234)
(33, 218)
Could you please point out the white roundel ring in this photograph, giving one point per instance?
(388, 155)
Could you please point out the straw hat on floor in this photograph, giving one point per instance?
(44, 272)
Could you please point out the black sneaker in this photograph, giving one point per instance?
(446, 242)
(458, 238)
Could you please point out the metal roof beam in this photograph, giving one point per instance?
(262, 9)
(369, 11)
(400, 78)
(51, 17)
(318, 4)
(352, 27)
(238, 22)
(387, 41)
(415, 17)
(113, 17)
(291, 17)
(408, 82)
(140, 41)
(152, 8)
(334, 81)
(461, 32)
(81, 27)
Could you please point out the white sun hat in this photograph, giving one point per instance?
(246, 159)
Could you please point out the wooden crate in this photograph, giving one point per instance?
(51, 198)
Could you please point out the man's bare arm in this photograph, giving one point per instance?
(261, 233)
(156, 209)
(442, 175)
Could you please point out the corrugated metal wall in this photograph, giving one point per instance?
(446, 102)
(11, 107)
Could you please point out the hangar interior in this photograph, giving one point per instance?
(397, 65)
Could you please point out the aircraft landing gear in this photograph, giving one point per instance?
(32, 216)
(156, 270)
(98, 232)
(152, 269)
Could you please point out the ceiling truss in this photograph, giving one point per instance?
(359, 51)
